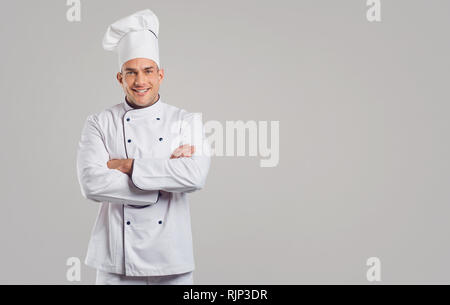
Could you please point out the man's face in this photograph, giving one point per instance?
(140, 79)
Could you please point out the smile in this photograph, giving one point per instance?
(141, 92)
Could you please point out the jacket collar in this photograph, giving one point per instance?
(149, 111)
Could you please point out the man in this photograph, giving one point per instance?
(140, 158)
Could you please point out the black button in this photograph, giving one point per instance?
(160, 139)
(160, 222)
(128, 223)
(128, 119)
(129, 140)
(158, 119)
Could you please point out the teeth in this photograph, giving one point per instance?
(141, 91)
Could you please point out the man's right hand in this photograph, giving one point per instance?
(185, 151)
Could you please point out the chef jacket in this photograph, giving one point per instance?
(143, 224)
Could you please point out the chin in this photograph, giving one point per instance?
(143, 103)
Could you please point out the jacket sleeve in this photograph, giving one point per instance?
(181, 174)
(100, 183)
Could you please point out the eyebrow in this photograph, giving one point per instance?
(134, 70)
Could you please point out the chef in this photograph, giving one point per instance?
(139, 159)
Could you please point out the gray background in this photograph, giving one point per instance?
(363, 110)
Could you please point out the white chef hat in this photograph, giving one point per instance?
(135, 36)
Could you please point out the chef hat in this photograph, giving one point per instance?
(135, 36)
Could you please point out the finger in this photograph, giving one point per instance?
(187, 154)
(176, 155)
(178, 151)
(185, 150)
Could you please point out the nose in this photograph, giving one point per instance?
(139, 80)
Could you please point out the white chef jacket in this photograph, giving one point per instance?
(143, 225)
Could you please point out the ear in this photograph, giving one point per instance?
(161, 75)
(119, 77)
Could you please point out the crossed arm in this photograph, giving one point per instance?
(135, 181)
(126, 165)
